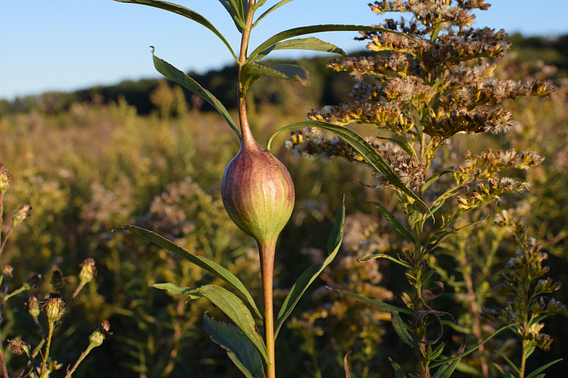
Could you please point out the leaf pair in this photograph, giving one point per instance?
(243, 342)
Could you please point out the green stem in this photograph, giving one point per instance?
(267, 251)
(2, 360)
(51, 327)
(1, 216)
(81, 358)
(6, 238)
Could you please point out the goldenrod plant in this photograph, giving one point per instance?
(422, 90)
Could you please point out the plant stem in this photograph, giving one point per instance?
(2, 361)
(5, 238)
(1, 216)
(266, 251)
(51, 327)
(81, 358)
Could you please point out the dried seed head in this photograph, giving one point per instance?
(57, 280)
(19, 347)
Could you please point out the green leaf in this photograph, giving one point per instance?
(360, 145)
(472, 349)
(336, 235)
(402, 144)
(235, 9)
(432, 179)
(394, 222)
(235, 309)
(252, 71)
(239, 348)
(398, 372)
(256, 55)
(202, 262)
(310, 274)
(511, 364)
(310, 43)
(374, 302)
(401, 330)
(384, 256)
(437, 351)
(469, 370)
(446, 370)
(270, 10)
(182, 79)
(178, 9)
(435, 32)
(171, 288)
(543, 368)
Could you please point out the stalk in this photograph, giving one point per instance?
(266, 249)
(51, 327)
(267, 272)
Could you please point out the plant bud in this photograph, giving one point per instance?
(54, 307)
(88, 271)
(7, 271)
(22, 214)
(5, 179)
(258, 192)
(98, 336)
(33, 306)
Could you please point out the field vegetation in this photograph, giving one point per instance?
(151, 154)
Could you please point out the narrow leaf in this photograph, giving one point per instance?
(398, 372)
(374, 302)
(543, 368)
(270, 10)
(401, 330)
(182, 79)
(235, 309)
(384, 256)
(310, 43)
(178, 9)
(256, 55)
(310, 274)
(446, 370)
(280, 71)
(336, 235)
(394, 222)
(361, 146)
(234, 7)
(171, 288)
(511, 364)
(346, 365)
(202, 262)
(472, 349)
(435, 178)
(239, 348)
(402, 144)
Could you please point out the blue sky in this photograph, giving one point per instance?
(66, 45)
